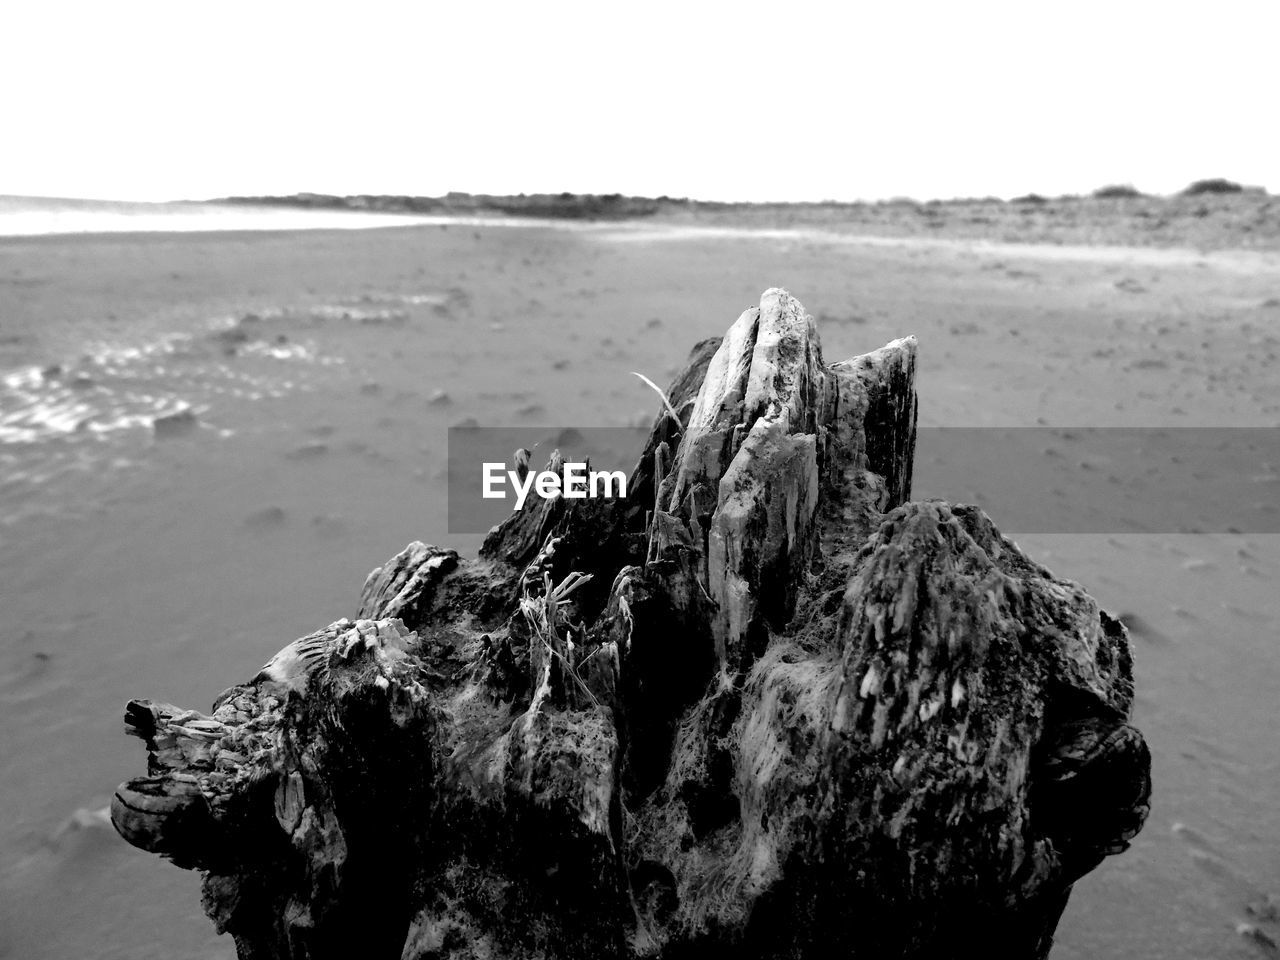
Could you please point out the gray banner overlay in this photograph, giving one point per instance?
(1029, 479)
(1107, 479)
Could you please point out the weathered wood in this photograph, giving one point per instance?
(766, 707)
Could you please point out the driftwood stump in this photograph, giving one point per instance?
(765, 706)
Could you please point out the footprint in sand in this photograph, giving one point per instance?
(1256, 912)
(1254, 616)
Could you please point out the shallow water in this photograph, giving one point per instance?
(40, 216)
(321, 371)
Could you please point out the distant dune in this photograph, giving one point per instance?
(1209, 215)
(1219, 219)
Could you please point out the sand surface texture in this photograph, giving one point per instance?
(308, 379)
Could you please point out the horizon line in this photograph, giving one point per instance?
(1123, 190)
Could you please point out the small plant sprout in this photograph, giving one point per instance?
(544, 617)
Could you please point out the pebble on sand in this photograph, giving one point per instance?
(330, 525)
(1139, 627)
(569, 439)
(271, 516)
(174, 425)
(308, 451)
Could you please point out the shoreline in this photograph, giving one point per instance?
(1245, 221)
(1225, 216)
(1232, 259)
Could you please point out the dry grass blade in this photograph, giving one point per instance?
(569, 669)
(543, 614)
(569, 584)
(665, 402)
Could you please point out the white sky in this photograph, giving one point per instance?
(790, 100)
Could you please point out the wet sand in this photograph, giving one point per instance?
(322, 370)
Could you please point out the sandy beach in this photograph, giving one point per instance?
(308, 379)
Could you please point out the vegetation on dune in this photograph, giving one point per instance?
(1212, 185)
(612, 206)
(1118, 191)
